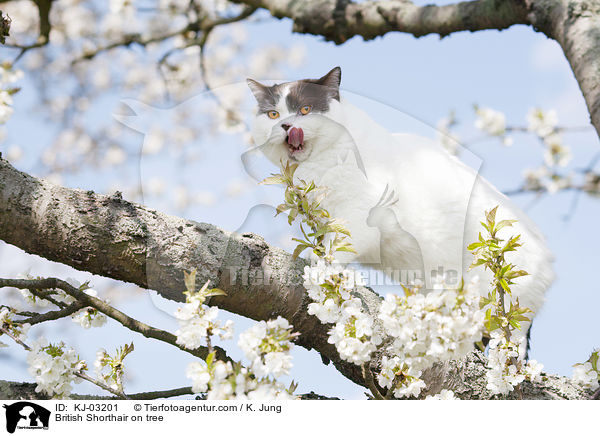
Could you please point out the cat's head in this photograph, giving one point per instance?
(296, 120)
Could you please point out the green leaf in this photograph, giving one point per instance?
(210, 358)
(513, 322)
(189, 279)
(477, 263)
(305, 205)
(505, 223)
(300, 241)
(520, 318)
(298, 250)
(292, 216)
(493, 323)
(293, 387)
(214, 292)
(475, 245)
(275, 179)
(490, 217)
(514, 274)
(282, 208)
(339, 228)
(127, 348)
(346, 248)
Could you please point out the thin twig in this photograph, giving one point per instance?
(111, 312)
(79, 374)
(162, 394)
(14, 338)
(368, 377)
(52, 315)
(104, 386)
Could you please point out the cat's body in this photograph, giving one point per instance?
(407, 203)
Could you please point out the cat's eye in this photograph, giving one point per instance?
(305, 109)
(273, 114)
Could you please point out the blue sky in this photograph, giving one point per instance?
(420, 81)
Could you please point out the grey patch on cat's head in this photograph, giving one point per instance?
(314, 92)
(266, 96)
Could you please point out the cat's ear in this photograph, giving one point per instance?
(258, 89)
(332, 81)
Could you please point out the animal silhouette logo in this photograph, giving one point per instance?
(26, 415)
(382, 217)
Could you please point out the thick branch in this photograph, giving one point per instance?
(340, 20)
(114, 238)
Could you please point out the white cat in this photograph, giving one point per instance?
(408, 204)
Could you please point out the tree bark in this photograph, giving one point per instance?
(109, 236)
(340, 20)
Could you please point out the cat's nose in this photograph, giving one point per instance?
(285, 127)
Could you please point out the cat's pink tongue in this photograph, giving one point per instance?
(295, 137)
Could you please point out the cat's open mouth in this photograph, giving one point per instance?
(295, 140)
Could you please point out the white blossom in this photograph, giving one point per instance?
(54, 367)
(441, 325)
(352, 334)
(32, 299)
(490, 121)
(195, 324)
(411, 388)
(444, 394)
(200, 376)
(14, 153)
(198, 322)
(533, 370)
(115, 156)
(327, 312)
(542, 122)
(585, 375)
(221, 381)
(556, 154)
(6, 109)
(327, 303)
(89, 317)
(503, 358)
(267, 345)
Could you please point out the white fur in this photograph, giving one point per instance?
(441, 201)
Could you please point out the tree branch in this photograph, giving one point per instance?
(340, 20)
(109, 236)
(85, 300)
